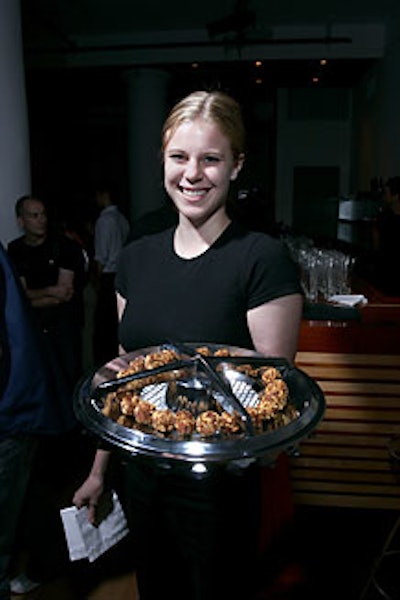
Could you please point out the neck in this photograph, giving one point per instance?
(34, 240)
(192, 239)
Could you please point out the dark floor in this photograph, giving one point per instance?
(337, 548)
(325, 554)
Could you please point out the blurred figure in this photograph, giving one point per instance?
(48, 265)
(111, 231)
(386, 241)
(26, 409)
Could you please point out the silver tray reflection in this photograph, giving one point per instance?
(234, 391)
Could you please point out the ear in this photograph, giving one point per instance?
(237, 167)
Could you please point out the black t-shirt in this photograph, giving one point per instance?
(39, 266)
(202, 299)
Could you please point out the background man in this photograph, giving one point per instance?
(110, 234)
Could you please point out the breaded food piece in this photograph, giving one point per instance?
(269, 374)
(255, 416)
(184, 422)
(127, 401)
(111, 406)
(126, 421)
(208, 423)
(163, 420)
(222, 352)
(135, 366)
(276, 391)
(143, 412)
(159, 359)
(204, 351)
(230, 423)
(267, 410)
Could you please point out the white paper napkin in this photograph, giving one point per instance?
(348, 299)
(88, 541)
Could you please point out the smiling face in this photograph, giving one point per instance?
(198, 168)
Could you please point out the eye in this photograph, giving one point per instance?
(177, 156)
(211, 159)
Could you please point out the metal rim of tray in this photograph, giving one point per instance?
(304, 393)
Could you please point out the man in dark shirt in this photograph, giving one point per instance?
(47, 267)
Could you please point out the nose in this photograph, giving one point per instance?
(193, 170)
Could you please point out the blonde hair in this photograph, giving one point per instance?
(216, 107)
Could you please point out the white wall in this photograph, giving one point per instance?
(14, 142)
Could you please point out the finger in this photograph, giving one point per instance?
(92, 513)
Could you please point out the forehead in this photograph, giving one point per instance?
(198, 132)
(31, 207)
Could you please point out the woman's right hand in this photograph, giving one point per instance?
(89, 494)
(91, 491)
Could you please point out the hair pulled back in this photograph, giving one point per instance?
(216, 107)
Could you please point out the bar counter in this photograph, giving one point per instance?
(354, 355)
(370, 328)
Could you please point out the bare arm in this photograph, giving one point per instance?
(92, 489)
(121, 303)
(274, 326)
(52, 295)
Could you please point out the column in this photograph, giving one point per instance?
(14, 137)
(147, 98)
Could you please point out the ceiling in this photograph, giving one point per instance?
(293, 35)
(65, 20)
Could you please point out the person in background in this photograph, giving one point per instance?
(48, 264)
(386, 240)
(207, 279)
(27, 412)
(111, 231)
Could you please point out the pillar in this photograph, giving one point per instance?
(14, 137)
(147, 100)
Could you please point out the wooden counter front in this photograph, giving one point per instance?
(357, 365)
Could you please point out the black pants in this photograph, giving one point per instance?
(105, 336)
(194, 539)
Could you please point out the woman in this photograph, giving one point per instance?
(206, 279)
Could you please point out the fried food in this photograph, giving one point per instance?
(127, 402)
(188, 416)
(143, 412)
(208, 423)
(230, 423)
(163, 420)
(184, 422)
(269, 374)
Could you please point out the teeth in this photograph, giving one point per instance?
(193, 192)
